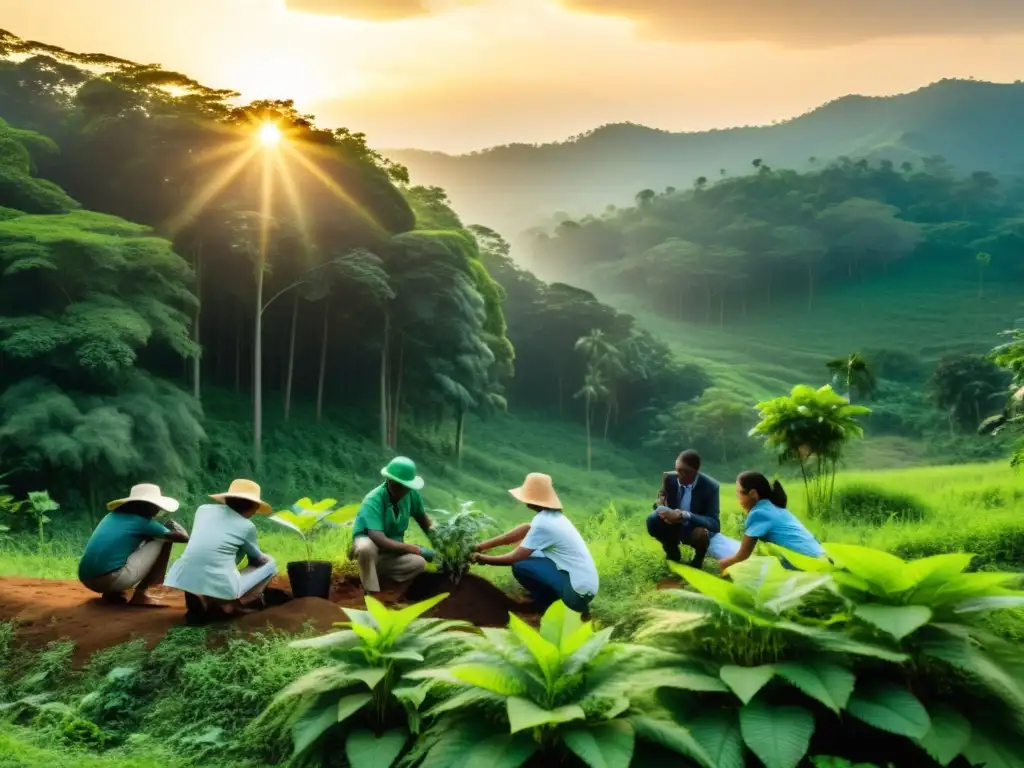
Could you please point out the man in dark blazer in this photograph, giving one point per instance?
(687, 510)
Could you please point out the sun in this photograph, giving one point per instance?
(269, 135)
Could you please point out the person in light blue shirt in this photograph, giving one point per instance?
(769, 520)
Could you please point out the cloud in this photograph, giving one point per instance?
(370, 10)
(810, 23)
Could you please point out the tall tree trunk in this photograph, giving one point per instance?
(196, 335)
(323, 363)
(385, 407)
(238, 351)
(291, 359)
(460, 426)
(257, 372)
(589, 449)
(396, 404)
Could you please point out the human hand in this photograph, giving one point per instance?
(671, 515)
(475, 557)
(427, 554)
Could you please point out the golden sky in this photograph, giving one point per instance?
(458, 75)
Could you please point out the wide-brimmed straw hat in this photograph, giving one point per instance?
(537, 490)
(244, 489)
(148, 493)
(403, 471)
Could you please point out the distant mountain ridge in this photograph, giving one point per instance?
(975, 125)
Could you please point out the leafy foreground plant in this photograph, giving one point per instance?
(552, 694)
(455, 536)
(365, 699)
(887, 642)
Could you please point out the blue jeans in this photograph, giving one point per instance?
(546, 584)
(670, 536)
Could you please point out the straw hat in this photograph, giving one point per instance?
(244, 489)
(403, 471)
(538, 490)
(148, 493)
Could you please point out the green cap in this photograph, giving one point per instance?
(403, 471)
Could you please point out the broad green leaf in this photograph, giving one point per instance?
(343, 515)
(523, 714)
(793, 590)
(605, 745)
(414, 695)
(745, 682)
(371, 676)
(403, 656)
(461, 700)
(400, 620)
(718, 732)
(890, 708)
(993, 751)
(588, 651)
(895, 620)
(970, 585)
(471, 745)
(546, 654)
(490, 678)
(363, 618)
(313, 723)
(959, 651)
(365, 750)
(805, 563)
(369, 635)
(847, 582)
(885, 573)
(779, 736)
(939, 568)
(559, 623)
(500, 751)
(674, 677)
(840, 642)
(344, 639)
(334, 678)
(301, 524)
(949, 735)
(618, 706)
(671, 735)
(830, 684)
(384, 619)
(349, 705)
(992, 603)
(727, 595)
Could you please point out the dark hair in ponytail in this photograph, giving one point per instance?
(755, 481)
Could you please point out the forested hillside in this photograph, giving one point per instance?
(971, 124)
(273, 271)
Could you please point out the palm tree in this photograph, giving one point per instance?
(982, 260)
(853, 373)
(594, 389)
(644, 197)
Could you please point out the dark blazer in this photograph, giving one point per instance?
(705, 503)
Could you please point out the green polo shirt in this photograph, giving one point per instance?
(117, 536)
(379, 513)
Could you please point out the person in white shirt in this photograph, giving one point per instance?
(551, 561)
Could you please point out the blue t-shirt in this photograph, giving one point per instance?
(779, 526)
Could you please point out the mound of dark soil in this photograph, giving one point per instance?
(292, 616)
(473, 599)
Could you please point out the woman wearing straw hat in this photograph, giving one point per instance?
(222, 534)
(129, 549)
(551, 561)
(378, 532)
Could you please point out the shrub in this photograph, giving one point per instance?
(455, 536)
(870, 505)
(563, 690)
(366, 700)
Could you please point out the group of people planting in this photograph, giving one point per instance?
(129, 549)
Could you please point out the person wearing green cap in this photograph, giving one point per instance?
(379, 530)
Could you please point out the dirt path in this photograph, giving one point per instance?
(54, 610)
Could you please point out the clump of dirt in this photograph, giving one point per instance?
(292, 617)
(473, 599)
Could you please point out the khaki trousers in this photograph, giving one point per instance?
(146, 564)
(375, 564)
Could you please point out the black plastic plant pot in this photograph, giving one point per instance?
(310, 578)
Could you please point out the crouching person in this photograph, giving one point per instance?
(222, 534)
(379, 529)
(551, 560)
(129, 549)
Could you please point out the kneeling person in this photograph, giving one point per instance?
(129, 549)
(551, 561)
(222, 535)
(379, 530)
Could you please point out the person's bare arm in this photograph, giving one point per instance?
(383, 542)
(746, 550)
(519, 553)
(425, 522)
(514, 536)
(176, 532)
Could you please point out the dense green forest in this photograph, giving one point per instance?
(972, 124)
(308, 272)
